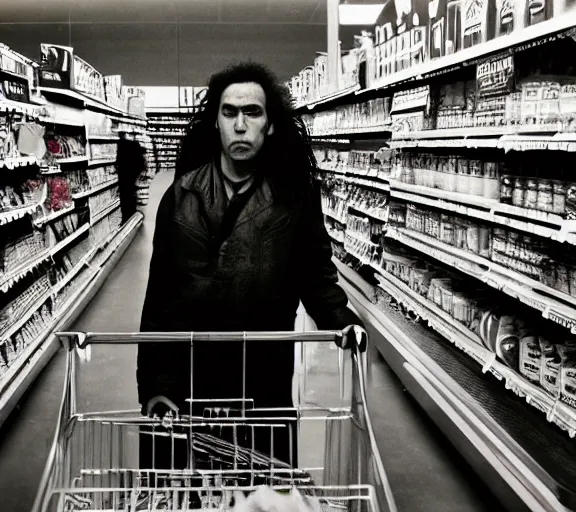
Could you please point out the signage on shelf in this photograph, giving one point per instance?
(15, 64)
(56, 64)
(60, 68)
(14, 88)
(135, 101)
(87, 80)
(199, 95)
(495, 77)
(114, 91)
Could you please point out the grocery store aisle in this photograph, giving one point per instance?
(425, 473)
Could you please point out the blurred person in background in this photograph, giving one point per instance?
(240, 241)
(130, 164)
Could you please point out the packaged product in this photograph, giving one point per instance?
(568, 374)
(507, 342)
(530, 359)
(550, 367)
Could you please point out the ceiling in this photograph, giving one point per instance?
(261, 12)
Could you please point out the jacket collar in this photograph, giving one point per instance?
(209, 184)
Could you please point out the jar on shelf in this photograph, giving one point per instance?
(507, 189)
(476, 177)
(451, 171)
(531, 194)
(446, 229)
(545, 196)
(562, 278)
(463, 176)
(472, 237)
(484, 241)
(572, 274)
(518, 192)
(559, 192)
(491, 185)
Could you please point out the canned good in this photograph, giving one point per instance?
(531, 194)
(545, 196)
(518, 192)
(559, 191)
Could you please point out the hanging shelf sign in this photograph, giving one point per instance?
(495, 77)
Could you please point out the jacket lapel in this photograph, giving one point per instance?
(260, 201)
(208, 184)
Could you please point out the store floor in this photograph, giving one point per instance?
(424, 471)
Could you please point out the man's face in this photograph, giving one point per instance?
(242, 120)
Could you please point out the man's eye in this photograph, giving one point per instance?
(228, 112)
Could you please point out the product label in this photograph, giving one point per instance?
(13, 88)
(495, 77)
(13, 63)
(414, 98)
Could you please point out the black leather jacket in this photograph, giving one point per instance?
(275, 257)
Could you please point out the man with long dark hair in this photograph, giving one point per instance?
(239, 242)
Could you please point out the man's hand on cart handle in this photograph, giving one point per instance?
(160, 406)
(354, 336)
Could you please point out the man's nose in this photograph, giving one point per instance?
(240, 124)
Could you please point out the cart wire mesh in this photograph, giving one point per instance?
(92, 464)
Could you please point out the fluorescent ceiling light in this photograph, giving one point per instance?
(357, 14)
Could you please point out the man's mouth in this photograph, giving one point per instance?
(240, 145)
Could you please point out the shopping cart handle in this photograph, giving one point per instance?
(83, 339)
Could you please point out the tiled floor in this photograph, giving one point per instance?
(425, 473)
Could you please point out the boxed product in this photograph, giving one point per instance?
(114, 91)
(135, 98)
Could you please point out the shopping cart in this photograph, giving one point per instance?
(93, 462)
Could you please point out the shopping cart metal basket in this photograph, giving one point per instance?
(93, 462)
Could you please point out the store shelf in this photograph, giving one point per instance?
(23, 371)
(469, 55)
(366, 130)
(67, 241)
(8, 280)
(543, 224)
(514, 284)
(103, 138)
(167, 123)
(21, 161)
(165, 134)
(360, 238)
(15, 107)
(89, 101)
(375, 213)
(15, 327)
(72, 160)
(331, 97)
(54, 215)
(95, 190)
(332, 214)
(104, 212)
(101, 162)
(17, 213)
(526, 460)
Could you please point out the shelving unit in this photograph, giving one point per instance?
(51, 198)
(467, 147)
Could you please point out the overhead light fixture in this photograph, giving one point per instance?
(359, 14)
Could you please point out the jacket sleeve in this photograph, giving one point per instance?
(153, 366)
(325, 301)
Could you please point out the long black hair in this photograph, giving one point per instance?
(287, 156)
